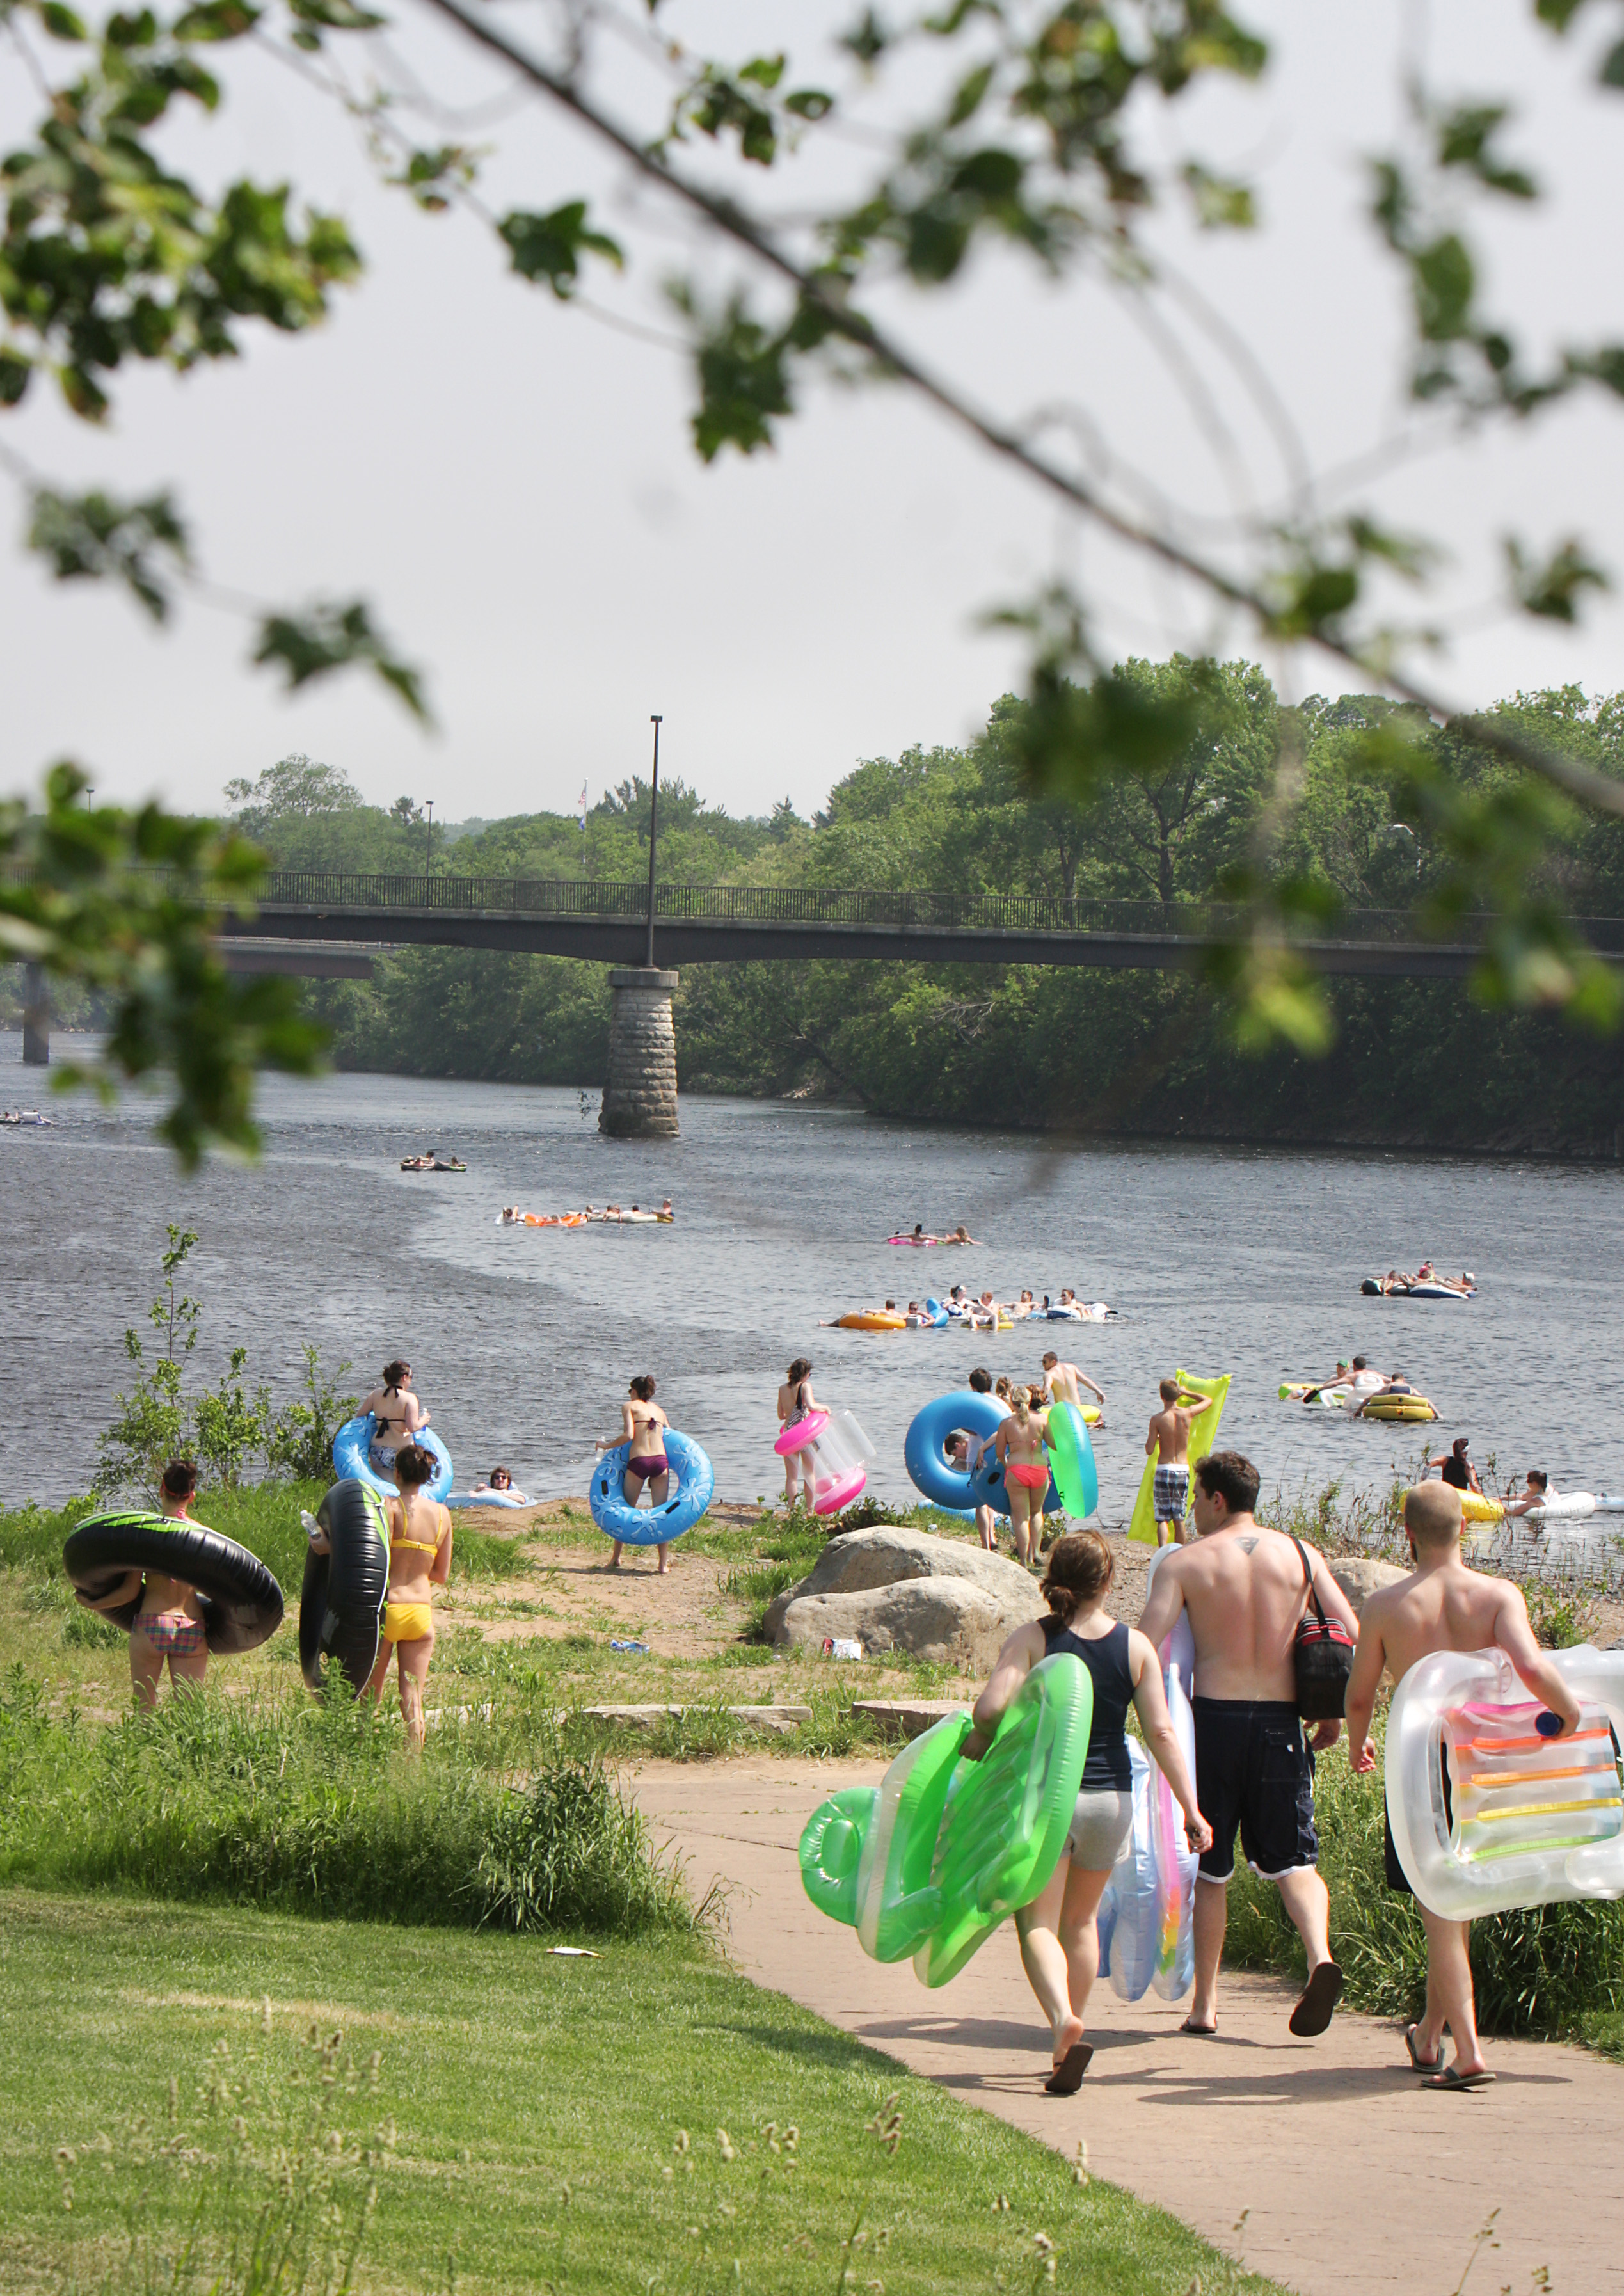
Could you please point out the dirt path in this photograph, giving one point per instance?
(1323, 2163)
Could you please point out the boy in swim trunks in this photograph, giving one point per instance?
(1244, 1588)
(1168, 1444)
(1067, 1383)
(1443, 1605)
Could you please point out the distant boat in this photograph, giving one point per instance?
(25, 1116)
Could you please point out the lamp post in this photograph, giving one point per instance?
(429, 851)
(654, 820)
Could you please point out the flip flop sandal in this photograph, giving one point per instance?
(1319, 1998)
(1422, 2064)
(1199, 2032)
(1450, 2078)
(1067, 2077)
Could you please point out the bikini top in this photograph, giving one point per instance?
(416, 1545)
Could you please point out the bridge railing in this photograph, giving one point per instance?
(815, 905)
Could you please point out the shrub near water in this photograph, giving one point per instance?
(314, 1808)
(1541, 1972)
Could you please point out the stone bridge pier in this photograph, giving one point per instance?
(640, 1091)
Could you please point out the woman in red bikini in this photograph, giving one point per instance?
(169, 1623)
(1021, 1443)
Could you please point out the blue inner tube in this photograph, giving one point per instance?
(943, 1485)
(484, 1498)
(341, 1607)
(937, 1313)
(688, 1493)
(352, 1459)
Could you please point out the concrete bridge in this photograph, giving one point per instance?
(330, 923)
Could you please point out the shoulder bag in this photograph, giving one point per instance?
(1323, 1657)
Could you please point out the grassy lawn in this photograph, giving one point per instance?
(528, 2122)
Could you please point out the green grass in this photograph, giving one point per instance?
(527, 2122)
(1552, 1971)
(316, 1808)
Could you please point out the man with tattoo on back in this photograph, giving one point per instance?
(1245, 1588)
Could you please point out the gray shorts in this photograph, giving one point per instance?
(1100, 1824)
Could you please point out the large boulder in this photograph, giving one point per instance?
(950, 1620)
(1359, 1576)
(881, 1557)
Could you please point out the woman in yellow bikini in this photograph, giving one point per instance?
(420, 1560)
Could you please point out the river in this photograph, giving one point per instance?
(1220, 1259)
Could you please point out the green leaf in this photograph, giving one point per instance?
(1221, 204)
(1558, 13)
(15, 376)
(968, 97)
(1553, 590)
(1444, 283)
(550, 247)
(95, 538)
(764, 71)
(332, 637)
(216, 20)
(810, 103)
(335, 15)
(60, 22)
(1612, 74)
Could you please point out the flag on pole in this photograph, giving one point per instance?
(582, 809)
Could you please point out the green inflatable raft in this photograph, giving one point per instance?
(931, 1860)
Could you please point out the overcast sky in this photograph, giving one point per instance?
(510, 482)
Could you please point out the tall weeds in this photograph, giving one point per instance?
(316, 1809)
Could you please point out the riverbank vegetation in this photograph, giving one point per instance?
(1413, 1062)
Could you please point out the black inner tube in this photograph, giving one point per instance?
(241, 1602)
(341, 1606)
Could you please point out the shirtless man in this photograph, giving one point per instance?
(1395, 1383)
(1066, 1382)
(1244, 1588)
(398, 1413)
(1444, 1605)
(1168, 1444)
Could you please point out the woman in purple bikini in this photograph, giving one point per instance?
(643, 1425)
(169, 1623)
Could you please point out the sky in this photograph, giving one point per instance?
(510, 482)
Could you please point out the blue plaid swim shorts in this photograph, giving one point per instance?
(1171, 1494)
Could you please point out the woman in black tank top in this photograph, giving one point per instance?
(1059, 1948)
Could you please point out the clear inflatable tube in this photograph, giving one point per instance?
(1488, 1812)
(1146, 1916)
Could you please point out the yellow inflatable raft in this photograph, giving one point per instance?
(1398, 1406)
(874, 1322)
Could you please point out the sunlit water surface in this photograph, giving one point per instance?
(523, 1340)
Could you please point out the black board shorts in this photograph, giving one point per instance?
(1398, 1879)
(1253, 1770)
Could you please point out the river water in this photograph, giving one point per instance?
(523, 1340)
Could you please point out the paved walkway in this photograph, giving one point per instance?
(1323, 2163)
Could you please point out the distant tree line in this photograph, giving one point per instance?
(1258, 787)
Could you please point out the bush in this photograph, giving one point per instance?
(1539, 1972)
(315, 1807)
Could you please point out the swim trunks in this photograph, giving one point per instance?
(1398, 1879)
(1252, 1770)
(1171, 1494)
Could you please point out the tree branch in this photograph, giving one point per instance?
(1590, 789)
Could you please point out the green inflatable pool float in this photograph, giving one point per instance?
(933, 1858)
(1077, 1478)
